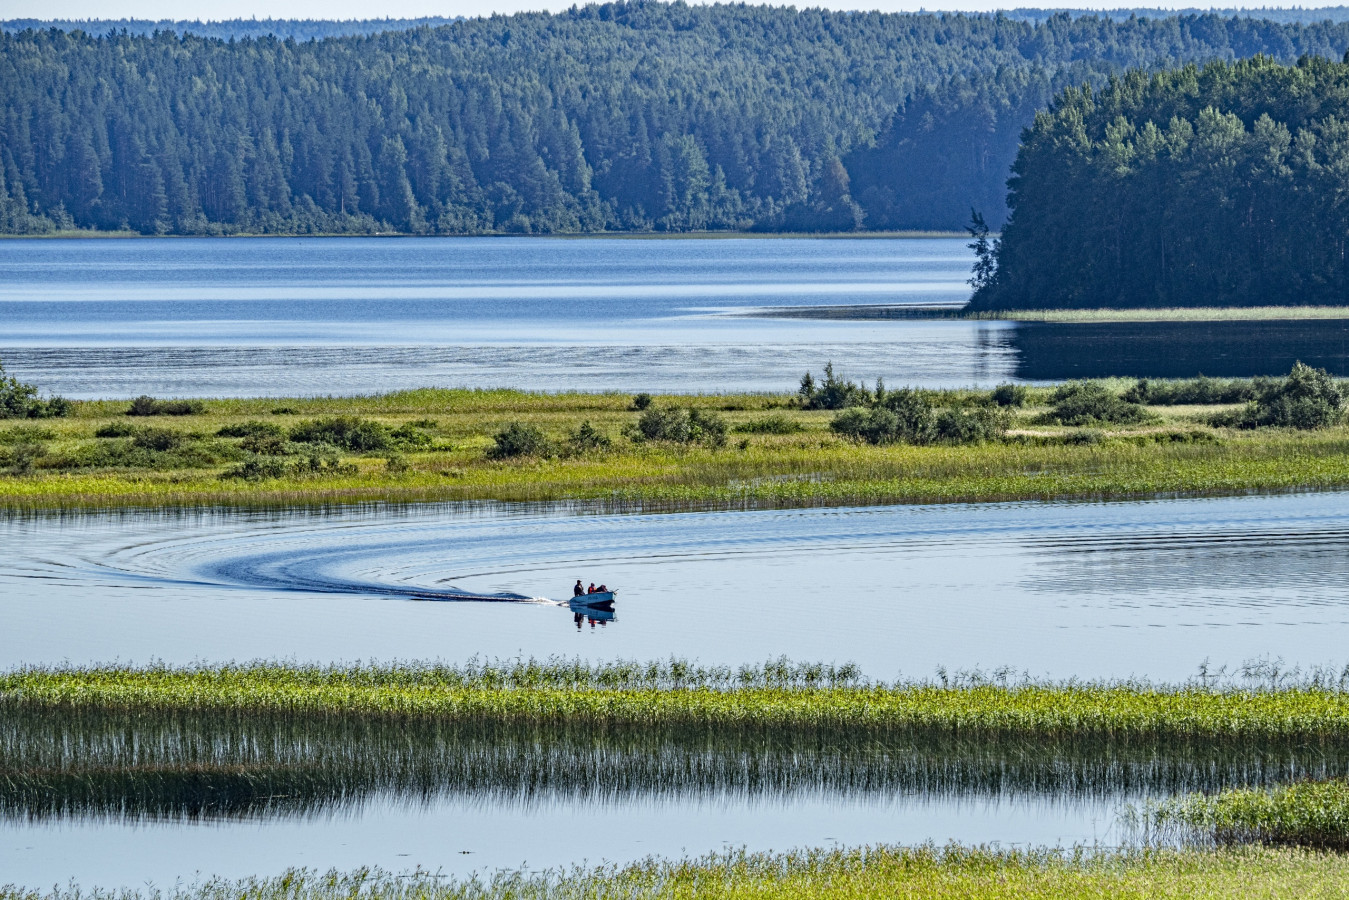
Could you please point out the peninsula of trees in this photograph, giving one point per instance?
(1226, 185)
(636, 116)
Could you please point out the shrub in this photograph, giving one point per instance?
(588, 438)
(285, 411)
(396, 464)
(1085, 437)
(664, 423)
(914, 413)
(877, 425)
(148, 406)
(832, 393)
(1307, 399)
(775, 424)
(1201, 391)
(20, 458)
(682, 427)
(158, 439)
(641, 401)
(259, 468)
(19, 400)
(115, 430)
(410, 435)
(349, 433)
(266, 444)
(318, 463)
(1009, 395)
(1091, 403)
(518, 439)
(974, 426)
(251, 428)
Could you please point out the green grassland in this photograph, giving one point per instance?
(924, 873)
(62, 463)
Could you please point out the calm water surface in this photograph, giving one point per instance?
(1062, 590)
(300, 316)
(1087, 590)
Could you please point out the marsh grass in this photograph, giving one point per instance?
(913, 873)
(678, 694)
(1308, 813)
(445, 437)
(137, 764)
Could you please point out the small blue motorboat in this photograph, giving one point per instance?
(599, 598)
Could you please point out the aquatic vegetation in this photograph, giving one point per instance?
(916, 873)
(122, 763)
(1309, 813)
(809, 465)
(780, 695)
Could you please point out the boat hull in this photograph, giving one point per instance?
(599, 598)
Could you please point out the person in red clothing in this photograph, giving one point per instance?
(592, 588)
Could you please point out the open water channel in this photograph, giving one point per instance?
(1054, 590)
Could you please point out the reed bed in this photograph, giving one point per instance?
(676, 694)
(1307, 813)
(207, 764)
(923, 873)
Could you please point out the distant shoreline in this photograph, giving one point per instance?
(868, 312)
(626, 235)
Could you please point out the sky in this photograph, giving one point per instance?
(364, 9)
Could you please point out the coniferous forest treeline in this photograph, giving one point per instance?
(628, 116)
(1226, 185)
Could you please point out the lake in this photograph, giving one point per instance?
(92, 318)
(1150, 589)
(1064, 590)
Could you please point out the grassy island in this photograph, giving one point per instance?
(715, 451)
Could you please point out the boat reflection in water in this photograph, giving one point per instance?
(593, 609)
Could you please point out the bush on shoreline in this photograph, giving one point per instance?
(19, 400)
(1307, 399)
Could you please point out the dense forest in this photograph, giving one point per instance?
(1226, 185)
(622, 116)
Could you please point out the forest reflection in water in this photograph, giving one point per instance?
(130, 766)
(1051, 351)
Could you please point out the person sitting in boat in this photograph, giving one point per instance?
(602, 590)
(592, 588)
(578, 590)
